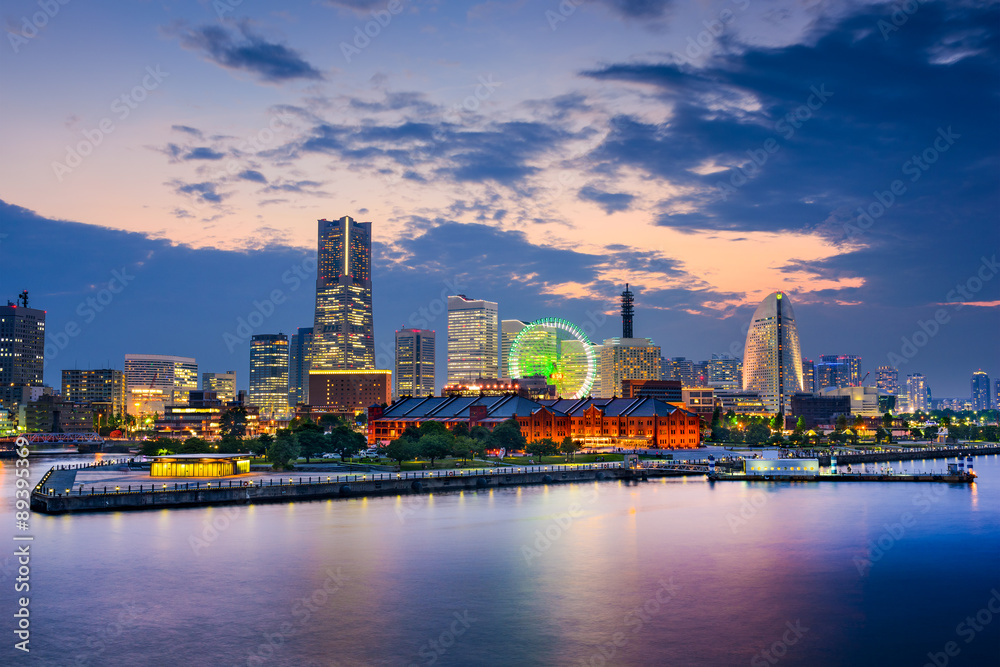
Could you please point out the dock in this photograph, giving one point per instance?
(949, 478)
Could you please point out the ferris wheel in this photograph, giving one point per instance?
(558, 350)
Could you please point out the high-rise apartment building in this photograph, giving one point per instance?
(153, 381)
(679, 368)
(472, 340)
(343, 330)
(269, 374)
(808, 376)
(916, 393)
(223, 384)
(887, 380)
(22, 345)
(627, 359)
(838, 370)
(724, 372)
(104, 386)
(981, 391)
(508, 332)
(414, 374)
(299, 346)
(772, 365)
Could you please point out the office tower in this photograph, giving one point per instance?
(808, 376)
(269, 374)
(223, 384)
(472, 340)
(996, 393)
(980, 391)
(104, 387)
(22, 344)
(299, 347)
(627, 312)
(414, 363)
(508, 332)
(343, 330)
(887, 380)
(155, 380)
(838, 370)
(680, 368)
(722, 372)
(772, 365)
(627, 359)
(916, 393)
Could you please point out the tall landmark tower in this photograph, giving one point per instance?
(627, 312)
(343, 330)
(772, 365)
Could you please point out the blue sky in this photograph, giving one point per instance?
(536, 154)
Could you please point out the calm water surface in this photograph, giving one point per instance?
(674, 572)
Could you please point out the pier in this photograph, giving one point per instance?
(951, 478)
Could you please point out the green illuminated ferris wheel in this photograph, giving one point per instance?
(560, 351)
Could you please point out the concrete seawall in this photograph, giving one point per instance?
(190, 497)
(878, 457)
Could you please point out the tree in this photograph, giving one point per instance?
(841, 422)
(887, 420)
(401, 449)
(312, 441)
(329, 421)
(569, 447)
(800, 425)
(158, 447)
(233, 422)
(507, 435)
(757, 433)
(283, 451)
(345, 441)
(543, 447)
(716, 417)
(435, 445)
(881, 434)
(463, 447)
(261, 443)
(916, 433)
(230, 444)
(479, 433)
(778, 422)
(195, 446)
(460, 429)
(361, 418)
(931, 432)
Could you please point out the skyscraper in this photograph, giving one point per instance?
(22, 344)
(343, 330)
(772, 365)
(723, 372)
(980, 391)
(299, 347)
(508, 332)
(681, 368)
(838, 370)
(888, 380)
(414, 374)
(916, 393)
(105, 386)
(156, 380)
(627, 359)
(269, 373)
(223, 384)
(472, 339)
(808, 376)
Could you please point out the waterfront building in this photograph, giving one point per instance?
(916, 393)
(483, 387)
(594, 422)
(54, 414)
(838, 370)
(199, 465)
(627, 359)
(508, 332)
(701, 401)
(864, 401)
(414, 374)
(223, 384)
(772, 365)
(201, 417)
(668, 391)
(739, 402)
(822, 409)
(472, 339)
(781, 467)
(343, 335)
(349, 393)
(269, 374)
(155, 380)
(22, 344)
(981, 391)
(104, 386)
(299, 362)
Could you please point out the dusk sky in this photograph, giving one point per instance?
(535, 153)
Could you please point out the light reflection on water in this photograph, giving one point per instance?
(676, 571)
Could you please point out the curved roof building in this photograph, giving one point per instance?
(772, 363)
